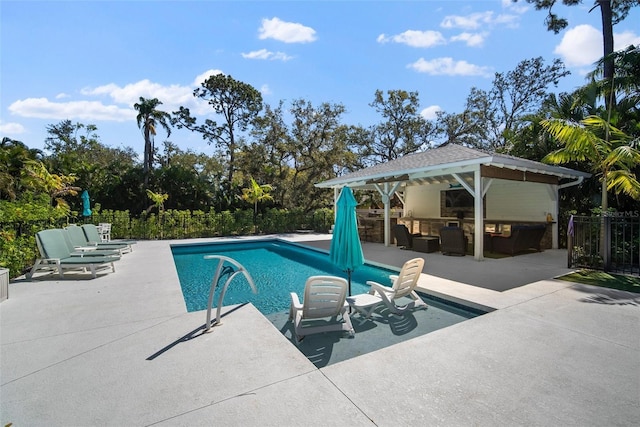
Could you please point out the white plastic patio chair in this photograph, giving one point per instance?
(404, 285)
(104, 229)
(324, 297)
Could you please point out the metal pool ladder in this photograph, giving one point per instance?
(214, 283)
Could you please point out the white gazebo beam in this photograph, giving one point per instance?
(486, 186)
(465, 184)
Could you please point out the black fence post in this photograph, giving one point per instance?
(606, 244)
(569, 250)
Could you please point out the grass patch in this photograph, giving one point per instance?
(605, 280)
(494, 255)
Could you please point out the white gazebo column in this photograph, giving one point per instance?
(336, 193)
(387, 192)
(478, 206)
(555, 212)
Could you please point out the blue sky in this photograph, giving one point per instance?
(90, 61)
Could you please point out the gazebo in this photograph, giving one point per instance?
(453, 183)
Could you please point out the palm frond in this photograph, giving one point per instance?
(624, 181)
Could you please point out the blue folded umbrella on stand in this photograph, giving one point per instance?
(346, 249)
(86, 204)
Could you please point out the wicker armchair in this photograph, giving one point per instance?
(453, 241)
(404, 239)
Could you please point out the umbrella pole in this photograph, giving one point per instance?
(349, 280)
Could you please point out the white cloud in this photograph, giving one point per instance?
(200, 78)
(470, 39)
(519, 8)
(509, 21)
(580, 46)
(266, 54)
(431, 112)
(468, 22)
(623, 40)
(119, 106)
(449, 67)
(287, 32)
(131, 93)
(42, 108)
(476, 20)
(62, 96)
(415, 38)
(265, 89)
(11, 129)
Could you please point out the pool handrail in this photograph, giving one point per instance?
(214, 284)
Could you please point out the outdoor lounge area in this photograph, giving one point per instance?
(457, 186)
(122, 350)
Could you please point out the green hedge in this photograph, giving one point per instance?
(18, 250)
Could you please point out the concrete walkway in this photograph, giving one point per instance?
(122, 350)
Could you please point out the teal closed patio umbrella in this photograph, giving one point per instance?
(346, 249)
(86, 204)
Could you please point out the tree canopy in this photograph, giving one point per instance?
(291, 146)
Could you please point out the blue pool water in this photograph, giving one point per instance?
(277, 268)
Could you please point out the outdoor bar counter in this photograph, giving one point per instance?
(371, 224)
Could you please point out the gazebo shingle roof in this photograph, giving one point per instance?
(447, 156)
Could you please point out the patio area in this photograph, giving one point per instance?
(122, 350)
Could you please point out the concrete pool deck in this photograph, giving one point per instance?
(122, 350)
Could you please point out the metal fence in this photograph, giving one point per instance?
(609, 243)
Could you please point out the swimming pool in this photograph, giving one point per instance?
(277, 268)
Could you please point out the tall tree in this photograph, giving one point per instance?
(269, 156)
(402, 130)
(460, 128)
(318, 143)
(491, 119)
(188, 177)
(238, 103)
(611, 13)
(76, 150)
(57, 187)
(13, 155)
(520, 92)
(148, 118)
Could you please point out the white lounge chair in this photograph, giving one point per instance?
(403, 287)
(324, 297)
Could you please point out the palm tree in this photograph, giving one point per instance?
(148, 118)
(256, 193)
(610, 153)
(158, 199)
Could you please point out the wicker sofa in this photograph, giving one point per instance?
(522, 238)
